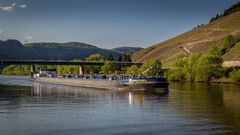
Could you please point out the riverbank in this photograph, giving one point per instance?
(225, 80)
(221, 80)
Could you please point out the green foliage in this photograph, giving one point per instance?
(109, 67)
(203, 69)
(67, 69)
(133, 70)
(120, 58)
(151, 68)
(208, 66)
(235, 75)
(228, 43)
(176, 74)
(110, 57)
(198, 67)
(225, 71)
(127, 58)
(17, 70)
(95, 57)
(189, 66)
(93, 69)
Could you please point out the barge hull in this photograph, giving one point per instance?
(103, 84)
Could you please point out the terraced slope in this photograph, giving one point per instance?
(195, 41)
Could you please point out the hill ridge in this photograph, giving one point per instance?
(15, 50)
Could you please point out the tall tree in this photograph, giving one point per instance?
(109, 67)
(120, 58)
(94, 69)
(127, 58)
(151, 68)
(95, 57)
(110, 57)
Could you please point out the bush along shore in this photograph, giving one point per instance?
(207, 67)
(109, 68)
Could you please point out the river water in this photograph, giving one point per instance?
(28, 108)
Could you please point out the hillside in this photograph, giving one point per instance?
(233, 53)
(127, 50)
(14, 50)
(198, 40)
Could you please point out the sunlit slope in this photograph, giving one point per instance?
(195, 41)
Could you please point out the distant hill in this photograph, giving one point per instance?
(198, 40)
(15, 50)
(127, 50)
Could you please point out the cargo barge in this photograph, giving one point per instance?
(116, 83)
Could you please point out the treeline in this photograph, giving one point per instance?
(206, 67)
(234, 8)
(109, 67)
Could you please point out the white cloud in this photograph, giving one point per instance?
(12, 7)
(13, 4)
(8, 8)
(0, 32)
(22, 6)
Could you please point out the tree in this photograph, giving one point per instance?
(235, 75)
(93, 69)
(133, 70)
(120, 58)
(189, 67)
(198, 67)
(110, 58)
(208, 66)
(151, 68)
(228, 43)
(17, 70)
(95, 57)
(109, 67)
(127, 58)
(176, 74)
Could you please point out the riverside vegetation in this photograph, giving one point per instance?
(207, 67)
(197, 67)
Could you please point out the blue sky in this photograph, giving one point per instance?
(104, 23)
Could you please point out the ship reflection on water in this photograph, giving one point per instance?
(56, 109)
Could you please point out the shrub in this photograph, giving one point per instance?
(235, 75)
(109, 67)
(151, 68)
(133, 70)
(17, 70)
(176, 75)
